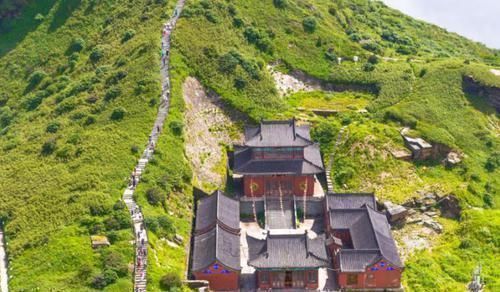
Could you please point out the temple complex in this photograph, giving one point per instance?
(280, 230)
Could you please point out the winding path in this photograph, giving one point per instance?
(141, 237)
(4, 287)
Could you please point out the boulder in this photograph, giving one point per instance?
(433, 225)
(178, 239)
(452, 159)
(397, 213)
(450, 207)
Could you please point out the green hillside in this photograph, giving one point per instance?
(77, 106)
(80, 85)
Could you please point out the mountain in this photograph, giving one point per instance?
(80, 90)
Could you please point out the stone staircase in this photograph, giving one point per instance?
(141, 237)
(329, 183)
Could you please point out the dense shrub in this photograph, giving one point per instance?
(52, 127)
(258, 38)
(114, 261)
(280, 3)
(49, 147)
(170, 280)
(154, 196)
(130, 33)
(36, 77)
(166, 224)
(119, 220)
(112, 93)
(110, 276)
(368, 67)
(65, 153)
(309, 23)
(240, 83)
(324, 133)
(96, 54)
(176, 127)
(151, 223)
(98, 282)
(373, 59)
(238, 22)
(372, 47)
(493, 162)
(89, 120)
(227, 63)
(6, 116)
(77, 45)
(118, 114)
(488, 200)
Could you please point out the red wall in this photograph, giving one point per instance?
(381, 278)
(248, 181)
(268, 285)
(218, 281)
(260, 181)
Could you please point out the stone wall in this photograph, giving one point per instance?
(246, 207)
(314, 206)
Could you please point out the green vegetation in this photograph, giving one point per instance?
(75, 98)
(408, 73)
(79, 96)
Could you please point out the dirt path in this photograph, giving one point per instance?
(209, 130)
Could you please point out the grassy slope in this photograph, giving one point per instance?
(426, 93)
(61, 187)
(46, 199)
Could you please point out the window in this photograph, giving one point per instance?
(264, 277)
(313, 276)
(352, 279)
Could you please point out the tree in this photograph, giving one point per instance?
(309, 23)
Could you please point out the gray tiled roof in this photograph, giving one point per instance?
(311, 164)
(384, 238)
(370, 232)
(350, 201)
(287, 251)
(357, 260)
(277, 134)
(216, 245)
(217, 207)
(275, 167)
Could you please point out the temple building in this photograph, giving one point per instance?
(278, 158)
(216, 243)
(360, 243)
(287, 260)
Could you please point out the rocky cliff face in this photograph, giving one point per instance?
(492, 94)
